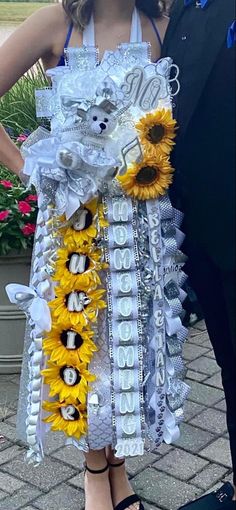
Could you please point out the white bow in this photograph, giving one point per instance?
(30, 301)
(70, 188)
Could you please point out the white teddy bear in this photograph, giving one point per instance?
(101, 121)
(93, 139)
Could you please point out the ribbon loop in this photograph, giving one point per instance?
(28, 300)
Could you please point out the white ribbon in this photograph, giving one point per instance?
(71, 188)
(30, 300)
(171, 430)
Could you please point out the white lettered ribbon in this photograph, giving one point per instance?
(158, 342)
(125, 330)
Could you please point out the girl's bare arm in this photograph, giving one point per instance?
(32, 40)
(10, 155)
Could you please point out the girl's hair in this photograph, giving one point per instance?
(80, 11)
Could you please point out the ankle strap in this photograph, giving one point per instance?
(96, 471)
(117, 465)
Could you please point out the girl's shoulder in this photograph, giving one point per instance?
(52, 15)
(55, 24)
(50, 18)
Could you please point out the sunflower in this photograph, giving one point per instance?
(68, 381)
(78, 266)
(157, 129)
(148, 179)
(69, 417)
(69, 346)
(77, 306)
(83, 228)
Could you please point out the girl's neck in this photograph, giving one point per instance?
(109, 11)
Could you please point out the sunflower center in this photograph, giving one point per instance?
(70, 375)
(77, 263)
(83, 220)
(76, 301)
(71, 340)
(147, 175)
(70, 413)
(156, 133)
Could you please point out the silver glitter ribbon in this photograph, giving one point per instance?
(99, 398)
(44, 100)
(84, 58)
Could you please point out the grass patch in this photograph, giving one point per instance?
(16, 12)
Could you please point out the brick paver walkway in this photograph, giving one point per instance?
(165, 478)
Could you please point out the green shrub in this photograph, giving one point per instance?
(17, 107)
(17, 115)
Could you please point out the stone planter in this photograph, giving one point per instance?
(14, 268)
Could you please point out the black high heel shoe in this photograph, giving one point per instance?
(131, 500)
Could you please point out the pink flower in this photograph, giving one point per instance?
(6, 184)
(31, 198)
(21, 138)
(24, 207)
(4, 215)
(28, 229)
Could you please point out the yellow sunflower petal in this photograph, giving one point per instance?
(157, 130)
(148, 179)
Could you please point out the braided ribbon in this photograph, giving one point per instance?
(33, 300)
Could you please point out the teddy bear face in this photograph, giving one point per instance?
(100, 122)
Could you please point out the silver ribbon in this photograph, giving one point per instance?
(99, 399)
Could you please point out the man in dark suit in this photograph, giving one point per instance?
(204, 185)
